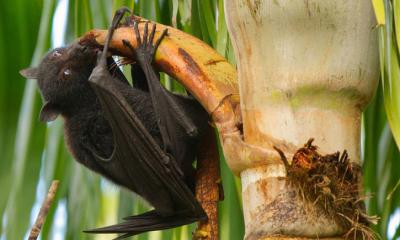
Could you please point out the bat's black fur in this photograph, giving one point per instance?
(63, 82)
(62, 77)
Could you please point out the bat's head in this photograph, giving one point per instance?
(62, 77)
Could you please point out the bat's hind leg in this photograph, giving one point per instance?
(163, 101)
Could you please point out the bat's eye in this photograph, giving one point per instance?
(56, 54)
(67, 73)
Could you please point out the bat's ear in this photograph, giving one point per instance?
(48, 113)
(29, 73)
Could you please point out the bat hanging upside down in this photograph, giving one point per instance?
(141, 137)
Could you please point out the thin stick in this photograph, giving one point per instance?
(37, 227)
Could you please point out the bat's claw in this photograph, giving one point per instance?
(116, 19)
(118, 16)
(166, 160)
(146, 48)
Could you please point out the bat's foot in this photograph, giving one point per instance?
(145, 51)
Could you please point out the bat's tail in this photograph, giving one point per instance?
(149, 221)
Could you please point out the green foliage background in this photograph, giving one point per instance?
(33, 154)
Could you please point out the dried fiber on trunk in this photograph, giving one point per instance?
(331, 182)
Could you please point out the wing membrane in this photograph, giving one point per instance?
(140, 158)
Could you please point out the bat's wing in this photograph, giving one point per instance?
(138, 162)
(143, 164)
(145, 167)
(149, 221)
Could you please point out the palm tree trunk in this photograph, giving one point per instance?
(307, 69)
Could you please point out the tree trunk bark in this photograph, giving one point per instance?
(306, 69)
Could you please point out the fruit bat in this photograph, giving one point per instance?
(139, 136)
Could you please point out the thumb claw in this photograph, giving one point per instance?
(99, 53)
(100, 60)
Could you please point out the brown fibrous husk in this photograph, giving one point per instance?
(331, 182)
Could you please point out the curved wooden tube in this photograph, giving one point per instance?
(204, 73)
